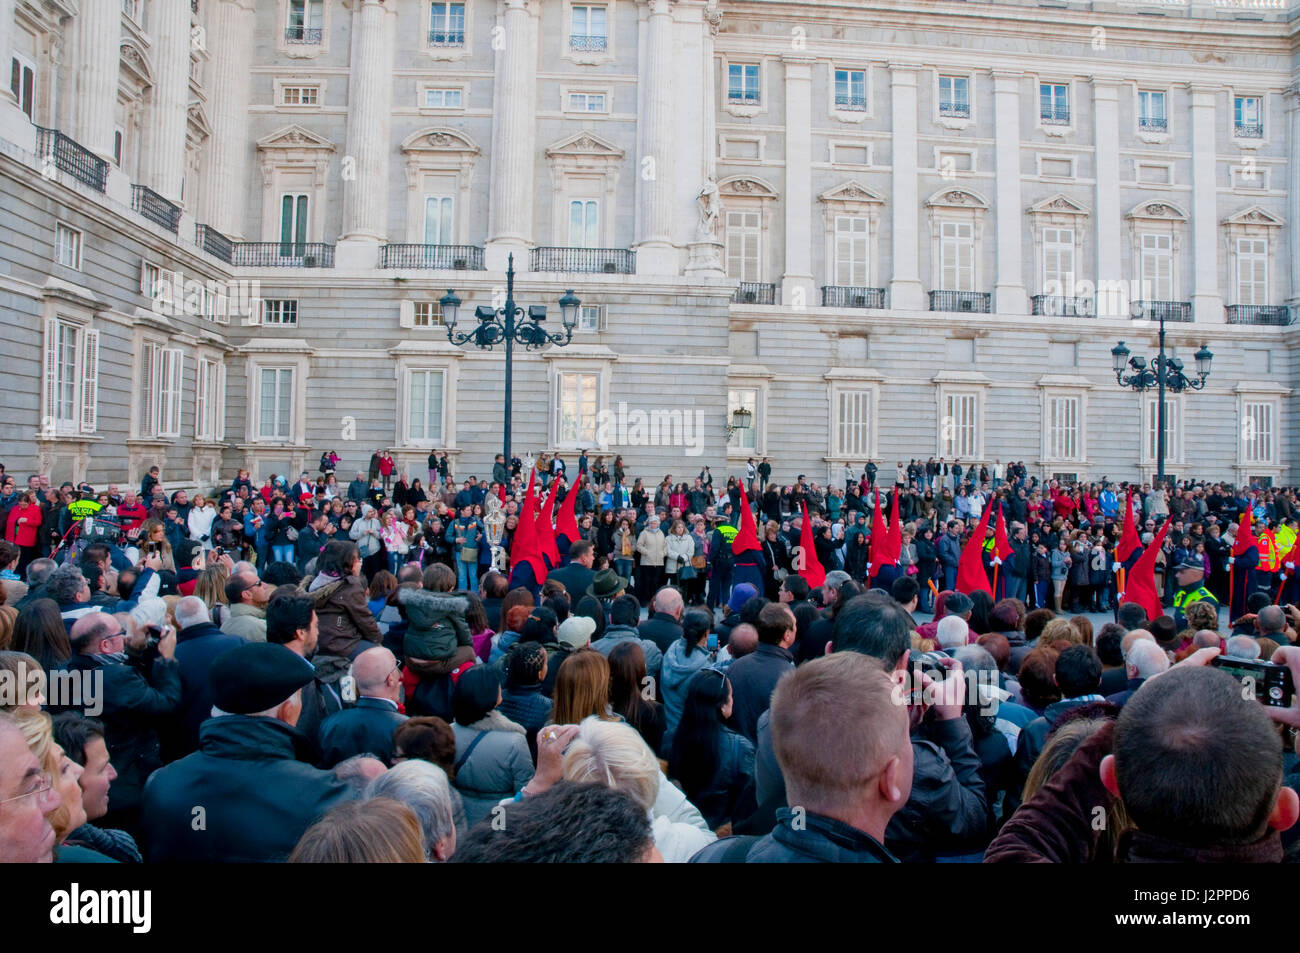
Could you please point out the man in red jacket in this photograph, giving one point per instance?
(131, 514)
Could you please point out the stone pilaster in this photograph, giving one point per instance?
(163, 149)
(227, 172)
(1009, 296)
(655, 252)
(797, 288)
(510, 202)
(92, 76)
(370, 101)
(1107, 214)
(1293, 190)
(905, 290)
(1207, 300)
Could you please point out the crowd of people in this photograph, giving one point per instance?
(560, 664)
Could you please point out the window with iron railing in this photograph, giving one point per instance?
(447, 24)
(954, 97)
(588, 29)
(851, 89)
(1054, 103)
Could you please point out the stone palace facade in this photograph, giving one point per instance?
(887, 229)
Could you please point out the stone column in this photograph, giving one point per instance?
(14, 125)
(1293, 192)
(706, 251)
(227, 179)
(1207, 300)
(365, 163)
(91, 80)
(163, 149)
(514, 134)
(1009, 296)
(905, 290)
(797, 288)
(655, 179)
(1107, 215)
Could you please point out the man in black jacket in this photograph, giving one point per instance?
(368, 727)
(577, 575)
(311, 540)
(246, 796)
(198, 644)
(665, 626)
(755, 676)
(291, 622)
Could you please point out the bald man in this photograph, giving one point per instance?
(1145, 659)
(665, 626)
(367, 728)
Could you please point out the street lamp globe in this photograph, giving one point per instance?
(569, 305)
(1203, 359)
(450, 308)
(1119, 354)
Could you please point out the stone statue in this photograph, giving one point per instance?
(709, 208)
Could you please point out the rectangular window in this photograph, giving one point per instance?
(293, 224)
(1257, 433)
(437, 220)
(209, 401)
(576, 408)
(1252, 271)
(22, 83)
(160, 391)
(954, 96)
(443, 98)
(150, 275)
(743, 246)
(1054, 103)
(587, 31)
(1151, 110)
(591, 317)
(67, 246)
(1173, 450)
(275, 403)
(746, 438)
(957, 429)
(117, 147)
(1058, 260)
(424, 406)
(1063, 428)
(306, 15)
(851, 250)
(1248, 117)
(300, 95)
(427, 314)
(851, 89)
(586, 102)
(447, 24)
(280, 311)
(584, 224)
(742, 82)
(1157, 278)
(852, 423)
(956, 256)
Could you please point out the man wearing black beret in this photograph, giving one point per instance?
(250, 791)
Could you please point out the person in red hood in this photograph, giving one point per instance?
(23, 529)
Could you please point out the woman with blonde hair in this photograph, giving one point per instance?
(582, 689)
(681, 548)
(65, 774)
(154, 534)
(210, 586)
(1059, 630)
(378, 831)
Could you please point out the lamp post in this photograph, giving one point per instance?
(740, 420)
(1163, 373)
(510, 324)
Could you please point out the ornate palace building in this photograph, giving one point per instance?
(887, 229)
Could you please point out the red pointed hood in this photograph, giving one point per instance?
(567, 521)
(1141, 585)
(1128, 539)
(546, 528)
(878, 548)
(1001, 545)
(1245, 535)
(895, 537)
(524, 546)
(812, 569)
(747, 538)
(970, 571)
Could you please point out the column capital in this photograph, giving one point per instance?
(1007, 74)
(1105, 87)
(1291, 95)
(797, 67)
(1203, 90)
(658, 7)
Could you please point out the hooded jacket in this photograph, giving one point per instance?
(436, 624)
(343, 615)
(678, 668)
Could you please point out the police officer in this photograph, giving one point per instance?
(1190, 576)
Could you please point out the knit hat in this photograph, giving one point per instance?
(740, 595)
(257, 677)
(576, 631)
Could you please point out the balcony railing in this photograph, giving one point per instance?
(955, 110)
(1278, 315)
(1248, 130)
(979, 302)
(446, 37)
(609, 261)
(1152, 124)
(71, 157)
(302, 34)
(1064, 307)
(850, 296)
(213, 242)
(434, 257)
(155, 208)
(584, 43)
(755, 292)
(1168, 310)
(851, 103)
(1055, 115)
(282, 255)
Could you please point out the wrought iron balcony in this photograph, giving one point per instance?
(1248, 130)
(978, 302)
(57, 150)
(1152, 124)
(155, 208)
(213, 242)
(584, 43)
(1278, 315)
(446, 37)
(955, 110)
(755, 292)
(282, 255)
(302, 34)
(609, 261)
(434, 257)
(1168, 310)
(1055, 115)
(1062, 306)
(851, 296)
(851, 103)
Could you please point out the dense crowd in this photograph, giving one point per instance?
(555, 663)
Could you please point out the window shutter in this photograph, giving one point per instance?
(406, 315)
(173, 386)
(219, 404)
(89, 380)
(50, 391)
(255, 308)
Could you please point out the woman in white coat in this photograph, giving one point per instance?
(202, 513)
(681, 547)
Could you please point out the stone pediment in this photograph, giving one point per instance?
(851, 191)
(584, 145)
(1158, 211)
(294, 137)
(747, 185)
(1057, 204)
(137, 62)
(957, 198)
(441, 139)
(1254, 216)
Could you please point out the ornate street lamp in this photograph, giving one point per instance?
(741, 419)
